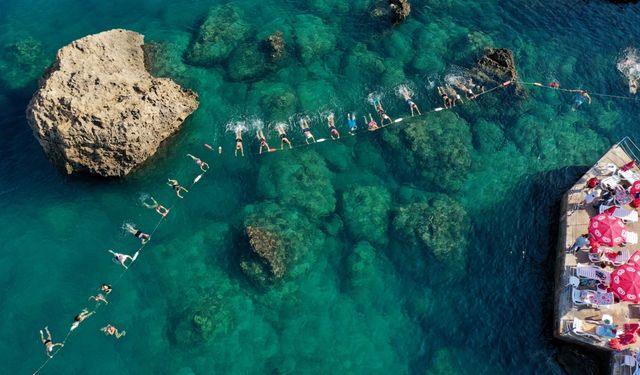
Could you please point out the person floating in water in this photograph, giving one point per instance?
(149, 202)
(99, 298)
(455, 97)
(144, 238)
(122, 258)
(371, 124)
(48, 343)
(461, 86)
(445, 98)
(281, 128)
(351, 123)
(84, 314)
(382, 113)
(332, 127)
(581, 97)
(203, 166)
(554, 85)
(110, 330)
(239, 146)
(106, 288)
(162, 210)
(263, 140)
(406, 95)
(306, 130)
(176, 187)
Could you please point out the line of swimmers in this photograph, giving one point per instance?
(121, 259)
(352, 125)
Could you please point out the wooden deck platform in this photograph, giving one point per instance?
(574, 223)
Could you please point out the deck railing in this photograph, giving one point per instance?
(630, 148)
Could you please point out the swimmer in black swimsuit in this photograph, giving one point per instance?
(84, 314)
(332, 127)
(281, 128)
(48, 344)
(176, 187)
(382, 113)
(239, 146)
(306, 130)
(445, 97)
(144, 238)
(106, 288)
(262, 139)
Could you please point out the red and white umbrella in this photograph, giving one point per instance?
(607, 230)
(625, 280)
(635, 188)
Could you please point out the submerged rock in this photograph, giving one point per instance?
(496, 66)
(275, 45)
(220, 33)
(268, 246)
(21, 63)
(98, 109)
(400, 10)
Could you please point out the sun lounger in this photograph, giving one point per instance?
(622, 258)
(631, 238)
(576, 327)
(592, 273)
(630, 216)
(629, 176)
(606, 169)
(591, 298)
(610, 182)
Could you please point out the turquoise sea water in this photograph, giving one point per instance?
(359, 296)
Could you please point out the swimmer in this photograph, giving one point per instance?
(351, 122)
(580, 98)
(106, 288)
(203, 166)
(148, 201)
(332, 127)
(455, 97)
(110, 330)
(467, 91)
(122, 258)
(99, 298)
(176, 187)
(262, 139)
(406, 95)
(48, 343)
(371, 124)
(554, 85)
(239, 146)
(304, 125)
(281, 128)
(162, 210)
(144, 238)
(445, 97)
(84, 314)
(382, 113)
(633, 86)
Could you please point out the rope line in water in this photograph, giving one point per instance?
(197, 179)
(540, 85)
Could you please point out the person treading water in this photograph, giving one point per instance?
(332, 127)
(176, 187)
(203, 166)
(581, 97)
(262, 140)
(48, 343)
(239, 146)
(84, 314)
(144, 238)
(306, 130)
(406, 95)
(281, 128)
(110, 330)
(351, 123)
(382, 113)
(122, 258)
(371, 124)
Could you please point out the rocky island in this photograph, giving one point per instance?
(98, 109)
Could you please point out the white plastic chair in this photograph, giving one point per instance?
(576, 297)
(629, 176)
(592, 273)
(610, 182)
(574, 281)
(631, 238)
(622, 258)
(630, 216)
(576, 327)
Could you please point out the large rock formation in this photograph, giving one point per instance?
(275, 45)
(268, 246)
(400, 10)
(98, 109)
(496, 66)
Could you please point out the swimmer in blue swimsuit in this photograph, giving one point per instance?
(351, 121)
(406, 94)
(580, 98)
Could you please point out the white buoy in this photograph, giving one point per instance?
(197, 178)
(321, 140)
(399, 119)
(438, 109)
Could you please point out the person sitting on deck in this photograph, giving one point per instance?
(306, 130)
(332, 127)
(582, 241)
(48, 343)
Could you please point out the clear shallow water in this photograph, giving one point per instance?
(343, 308)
